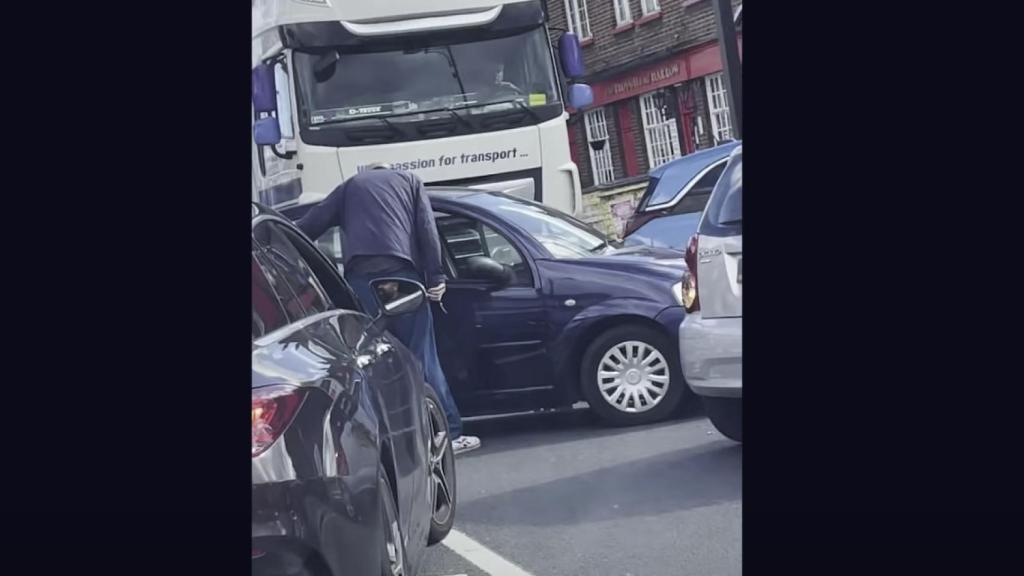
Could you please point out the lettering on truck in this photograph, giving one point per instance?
(365, 110)
(452, 160)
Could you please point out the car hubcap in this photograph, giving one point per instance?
(633, 376)
(440, 465)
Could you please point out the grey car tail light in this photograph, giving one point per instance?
(691, 299)
(273, 408)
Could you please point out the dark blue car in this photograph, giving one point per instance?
(543, 311)
(670, 208)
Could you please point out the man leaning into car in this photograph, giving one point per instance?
(389, 231)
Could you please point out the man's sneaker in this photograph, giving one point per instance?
(464, 444)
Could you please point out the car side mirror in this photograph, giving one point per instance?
(398, 296)
(489, 270)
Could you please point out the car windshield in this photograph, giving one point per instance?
(561, 234)
(510, 71)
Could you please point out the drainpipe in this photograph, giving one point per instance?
(729, 46)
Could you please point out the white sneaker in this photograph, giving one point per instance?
(464, 444)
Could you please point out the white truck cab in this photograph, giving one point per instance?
(460, 92)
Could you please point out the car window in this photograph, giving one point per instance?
(708, 181)
(732, 208)
(338, 292)
(666, 232)
(652, 186)
(267, 313)
(697, 197)
(725, 208)
(330, 245)
(661, 191)
(303, 295)
(694, 201)
(465, 237)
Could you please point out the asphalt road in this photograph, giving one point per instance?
(559, 495)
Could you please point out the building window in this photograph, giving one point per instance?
(718, 104)
(576, 14)
(600, 148)
(623, 15)
(650, 6)
(660, 130)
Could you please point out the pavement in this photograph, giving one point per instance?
(561, 495)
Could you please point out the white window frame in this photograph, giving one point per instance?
(661, 135)
(649, 7)
(623, 13)
(578, 18)
(601, 165)
(718, 108)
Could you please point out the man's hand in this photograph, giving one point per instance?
(437, 292)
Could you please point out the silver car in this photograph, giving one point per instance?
(710, 338)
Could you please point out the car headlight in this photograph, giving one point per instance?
(677, 292)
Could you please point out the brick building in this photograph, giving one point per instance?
(655, 68)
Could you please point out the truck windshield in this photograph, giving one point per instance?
(339, 85)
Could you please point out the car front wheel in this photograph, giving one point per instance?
(631, 375)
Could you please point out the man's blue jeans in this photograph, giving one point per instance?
(416, 331)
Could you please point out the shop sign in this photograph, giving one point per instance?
(641, 82)
(694, 63)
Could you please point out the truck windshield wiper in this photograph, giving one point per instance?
(395, 132)
(453, 111)
(518, 102)
(529, 110)
(388, 124)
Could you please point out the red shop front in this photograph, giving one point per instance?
(652, 129)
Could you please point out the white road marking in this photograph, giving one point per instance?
(481, 556)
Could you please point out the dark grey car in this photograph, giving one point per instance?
(352, 471)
